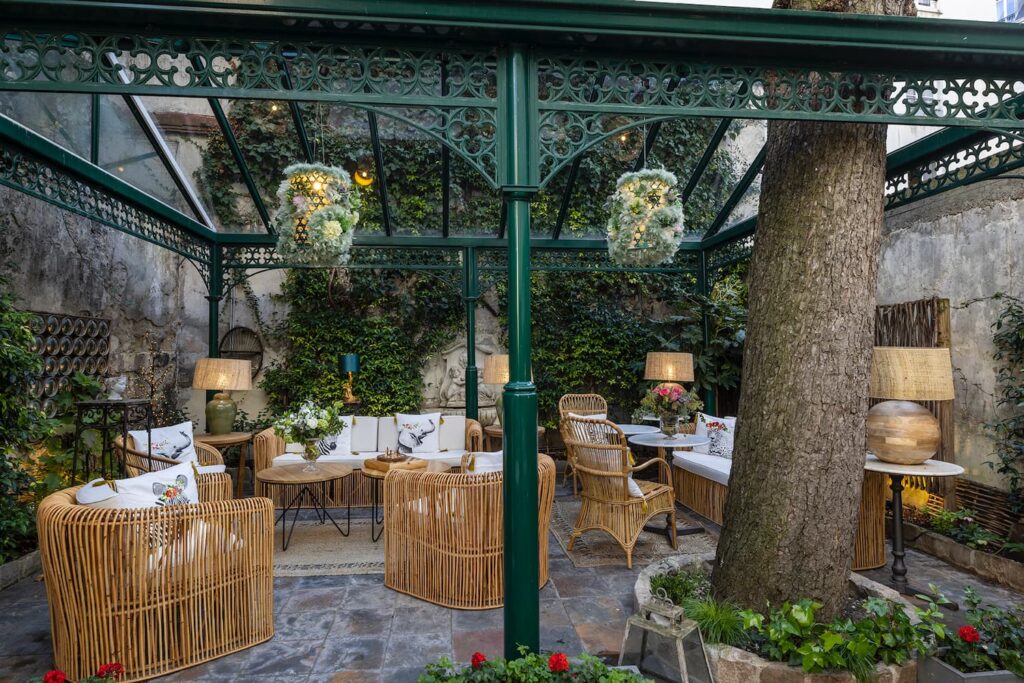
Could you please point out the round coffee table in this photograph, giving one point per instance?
(313, 490)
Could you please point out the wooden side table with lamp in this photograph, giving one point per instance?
(224, 375)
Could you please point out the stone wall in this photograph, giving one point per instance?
(964, 245)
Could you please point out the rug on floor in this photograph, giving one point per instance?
(599, 549)
(319, 550)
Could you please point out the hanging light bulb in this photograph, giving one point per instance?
(363, 178)
(273, 107)
(624, 137)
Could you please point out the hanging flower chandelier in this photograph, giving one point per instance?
(646, 222)
(317, 214)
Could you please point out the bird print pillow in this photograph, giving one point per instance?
(174, 443)
(175, 485)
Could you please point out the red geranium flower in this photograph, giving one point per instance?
(112, 670)
(558, 662)
(969, 634)
(478, 659)
(55, 676)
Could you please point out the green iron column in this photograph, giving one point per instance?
(215, 285)
(704, 287)
(470, 295)
(517, 100)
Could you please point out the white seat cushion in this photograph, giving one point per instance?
(452, 458)
(364, 433)
(708, 466)
(482, 463)
(352, 459)
(175, 485)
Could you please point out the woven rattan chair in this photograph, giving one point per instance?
(443, 535)
(578, 404)
(156, 589)
(211, 486)
(603, 464)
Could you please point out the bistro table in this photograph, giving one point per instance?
(665, 446)
(224, 441)
(313, 489)
(929, 468)
(630, 430)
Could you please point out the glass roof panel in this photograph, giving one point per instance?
(734, 155)
(341, 137)
(412, 166)
(62, 118)
(475, 207)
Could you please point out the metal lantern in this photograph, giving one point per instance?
(661, 641)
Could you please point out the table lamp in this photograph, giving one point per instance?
(669, 368)
(899, 430)
(222, 375)
(496, 372)
(349, 365)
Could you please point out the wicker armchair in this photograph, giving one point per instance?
(211, 486)
(578, 404)
(603, 464)
(444, 537)
(156, 589)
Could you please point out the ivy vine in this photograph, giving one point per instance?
(1008, 430)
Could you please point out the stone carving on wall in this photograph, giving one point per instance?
(444, 377)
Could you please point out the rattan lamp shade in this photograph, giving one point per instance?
(663, 366)
(222, 374)
(496, 369)
(911, 374)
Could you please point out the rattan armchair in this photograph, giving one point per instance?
(578, 404)
(603, 464)
(155, 589)
(444, 535)
(211, 486)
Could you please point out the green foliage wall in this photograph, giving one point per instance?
(1009, 430)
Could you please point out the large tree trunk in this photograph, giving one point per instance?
(798, 464)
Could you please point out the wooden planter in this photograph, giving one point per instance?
(995, 568)
(934, 670)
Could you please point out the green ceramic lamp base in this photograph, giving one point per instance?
(220, 414)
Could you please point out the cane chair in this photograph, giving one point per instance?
(603, 465)
(211, 486)
(155, 589)
(578, 404)
(444, 537)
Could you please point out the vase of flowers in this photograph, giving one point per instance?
(309, 425)
(671, 403)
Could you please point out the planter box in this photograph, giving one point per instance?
(14, 571)
(732, 665)
(1001, 570)
(937, 671)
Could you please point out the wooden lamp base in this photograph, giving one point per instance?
(902, 432)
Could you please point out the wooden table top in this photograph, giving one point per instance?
(496, 430)
(376, 469)
(293, 474)
(224, 440)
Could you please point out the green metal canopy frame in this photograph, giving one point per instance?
(518, 91)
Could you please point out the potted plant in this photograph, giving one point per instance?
(671, 403)
(308, 426)
(990, 647)
(530, 666)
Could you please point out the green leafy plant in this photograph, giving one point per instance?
(530, 667)
(51, 465)
(1008, 431)
(993, 638)
(963, 527)
(308, 422)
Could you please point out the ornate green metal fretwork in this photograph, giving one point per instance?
(727, 254)
(976, 160)
(583, 260)
(407, 258)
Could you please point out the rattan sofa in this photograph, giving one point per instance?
(444, 535)
(156, 589)
(370, 436)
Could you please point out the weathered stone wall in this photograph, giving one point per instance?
(964, 245)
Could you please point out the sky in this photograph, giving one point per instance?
(979, 10)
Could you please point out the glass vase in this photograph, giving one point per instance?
(311, 453)
(669, 425)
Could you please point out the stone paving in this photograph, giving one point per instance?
(353, 629)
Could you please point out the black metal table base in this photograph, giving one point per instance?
(681, 529)
(316, 500)
(376, 505)
(898, 580)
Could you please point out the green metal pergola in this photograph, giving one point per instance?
(516, 91)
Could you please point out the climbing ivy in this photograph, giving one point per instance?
(1008, 338)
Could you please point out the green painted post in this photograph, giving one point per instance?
(522, 606)
(470, 295)
(710, 397)
(216, 293)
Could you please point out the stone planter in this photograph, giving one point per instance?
(937, 671)
(16, 570)
(995, 568)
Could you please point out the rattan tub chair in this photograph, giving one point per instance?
(211, 486)
(603, 464)
(578, 404)
(443, 535)
(156, 589)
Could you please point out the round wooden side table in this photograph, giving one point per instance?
(375, 470)
(224, 441)
(494, 432)
(313, 490)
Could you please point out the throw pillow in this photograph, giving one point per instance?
(720, 431)
(340, 443)
(175, 485)
(482, 463)
(634, 488)
(419, 433)
(595, 416)
(174, 443)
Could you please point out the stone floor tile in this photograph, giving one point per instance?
(281, 657)
(416, 649)
(359, 623)
(23, 667)
(306, 599)
(313, 625)
(473, 620)
(583, 583)
(365, 653)
(549, 590)
(553, 613)
(425, 618)
(373, 597)
(25, 634)
(345, 677)
(601, 640)
(489, 641)
(324, 582)
(595, 611)
(403, 675)
(559, 639)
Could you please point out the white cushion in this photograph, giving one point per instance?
(196, 540)
(721, 431)
(339, 443)
(174, 442)
(482, 463)
(211, 469)
(708, 466)
(175, 485)
(634, 488)
(451, 458)
(595, 416)
(354, 460)
(453, 432)
(418, 433)
(364, 434)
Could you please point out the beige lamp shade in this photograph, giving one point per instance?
(496, 369)
(222, 374)
(911, 374)
(664, 366)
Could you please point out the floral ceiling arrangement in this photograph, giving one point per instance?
(646, 222)
(317, 215)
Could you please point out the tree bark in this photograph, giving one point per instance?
(794, 491)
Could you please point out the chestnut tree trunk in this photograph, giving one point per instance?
(798, 464)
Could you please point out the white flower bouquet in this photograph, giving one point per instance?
(308, 425)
